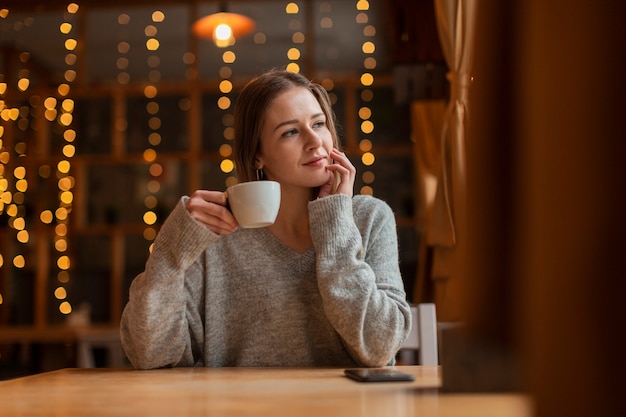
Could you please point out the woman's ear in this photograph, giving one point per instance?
(257, 163)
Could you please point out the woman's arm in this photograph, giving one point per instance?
(162, 322)
(359, 276)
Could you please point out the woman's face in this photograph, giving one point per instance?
(295, 140)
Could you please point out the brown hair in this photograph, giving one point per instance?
(250, 109)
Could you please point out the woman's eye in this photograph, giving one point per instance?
(319, 124)
(290, 132)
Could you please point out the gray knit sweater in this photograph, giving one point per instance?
(245, 299)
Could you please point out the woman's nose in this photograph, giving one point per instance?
(313, 139)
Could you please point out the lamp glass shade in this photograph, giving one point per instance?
(239, 25)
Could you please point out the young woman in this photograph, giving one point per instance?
(319, 287)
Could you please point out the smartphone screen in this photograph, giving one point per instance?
(378, 375)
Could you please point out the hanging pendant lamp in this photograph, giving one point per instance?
(223, 27)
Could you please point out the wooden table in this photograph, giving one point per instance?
(227, 392)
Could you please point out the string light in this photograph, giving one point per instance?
(62, 109)
(294, 53)
(150, 154)
(368, 48)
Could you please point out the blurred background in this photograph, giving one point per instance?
(113, 110)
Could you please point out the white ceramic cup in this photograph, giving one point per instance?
(254, 203)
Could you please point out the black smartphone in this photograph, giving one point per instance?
(378, 375)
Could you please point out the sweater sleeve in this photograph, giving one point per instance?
(359, 277)
(162, 322)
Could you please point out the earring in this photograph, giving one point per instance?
(260, 175)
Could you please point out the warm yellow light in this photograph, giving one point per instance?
(362, 5)
(70, 44)
(367, 127)
(68, 105)
(229, 57)
(19, 172)
(50, 114)
(365, 113)
(367, 79)
(60, 293)
(149, 155)
(46, 216)
(152, 44)
(60, 245)
(292, 8)
(72, 8)
(293, 67)
(149, 218)
(69, 151)
(368, 47)
(22, 236)
(66, 119)
(63, 167)
(150, 91)
(6, 197)
(63, 89)
(63, 262)
(19, 223)
(223, 28)
(223, 103)
(23, 84)
(368, 158)
(65, 308)
(61, 214)
(226, 86)
(69, 135)
(65, 28)
(67, 197)
(21, 185)
(227, 166)
(19, 261)
(158, 16)
(293, 54)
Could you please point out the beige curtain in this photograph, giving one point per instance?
(427, 118)
(445, 231)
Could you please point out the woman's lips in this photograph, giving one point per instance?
(315, 162)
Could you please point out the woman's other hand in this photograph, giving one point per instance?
(209, 208)
(346, 173)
